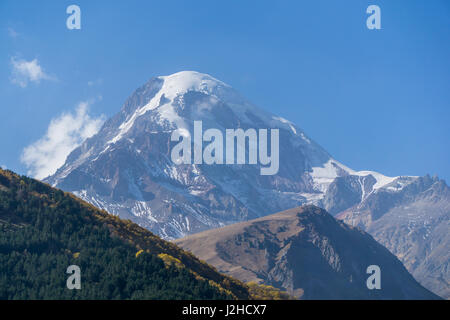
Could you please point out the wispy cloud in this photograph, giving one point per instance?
(95, 82)
(64, 134)
(13, 33)
(24, 72)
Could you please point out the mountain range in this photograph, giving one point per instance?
(306, 251)
(127, 170)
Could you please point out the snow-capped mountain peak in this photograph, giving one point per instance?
(169, 98)
(184, 81)
(126, 167)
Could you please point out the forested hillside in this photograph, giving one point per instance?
(44, 230)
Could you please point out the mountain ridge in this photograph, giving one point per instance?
(306, 252)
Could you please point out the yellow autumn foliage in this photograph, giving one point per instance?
(265, 292)
(139, 252)
(170, 260)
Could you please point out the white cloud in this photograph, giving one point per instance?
(64, 134)
(4, 167)
(27, 71)
(95, 82)
(13, 33)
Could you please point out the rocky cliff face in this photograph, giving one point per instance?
(308, 253)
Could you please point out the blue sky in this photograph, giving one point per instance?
(375, 99)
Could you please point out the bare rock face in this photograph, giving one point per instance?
(414, 225)
(308, 253)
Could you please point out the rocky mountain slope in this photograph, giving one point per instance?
(308, 253)
(126, 169)
(414, 224)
